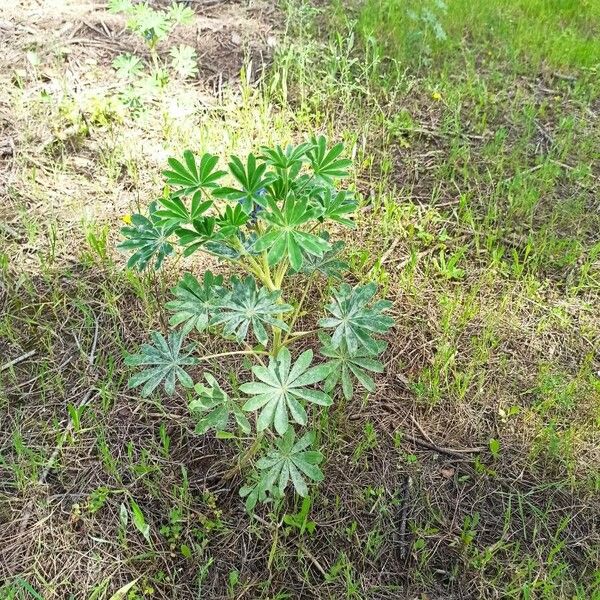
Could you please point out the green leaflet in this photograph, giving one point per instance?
(192, 177)
(216, 407)
(283, 389)
(289, 460)
(247, 305)
(354, 320)
(252, 179)
(329, 264)
(284, 238)
(149, 237)
(346, 366)
(165, 360)
(335, 206)
(290, 158)
(194, 302)
(325, 163)
(176, 212)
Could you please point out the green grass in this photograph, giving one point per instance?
(473, 132)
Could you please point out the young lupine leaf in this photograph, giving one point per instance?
(192, 177)
(176, 212)
(329, 264)
(335, 206)
(149, 237)
(283, 389)
(181, 14)
(195, 302)
(184, 60)
(217, 408)
(353, 320)
(284, 239)
(203, 229)
(127, 66)
(248, 305)
(346, 366)
(255, 491)
(204, 235)
(289, 158)
(325, 164)
(152, 24)
(117, 6)
(165, 360)
(288, 460)
(253, 181)
(231, 221)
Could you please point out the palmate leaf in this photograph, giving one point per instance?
(247, 305)
(202, 231)
(165, 360)
(204, 234)
(184, 60)
(181, 14)
(195, 302)
(232, 219)
(329, 264)
(192, 177)
(290, 158)
(346, 366)
(283, 389)
(252, 179)
(148, 22)
(176, 212)
(217, 408)
(287, 460)
(284, 239)
(325, 163)
(149, 237)
(353, 320)
(128, 66)
(335, 206)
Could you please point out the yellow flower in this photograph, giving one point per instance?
(436, 96)
(126, 219)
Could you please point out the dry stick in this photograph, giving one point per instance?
(16, 361)
(404, 516)
(441, 450)
(300, 545)
(423, 433)
(50, 462)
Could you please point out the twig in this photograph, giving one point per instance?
(440, 449)
(423, 433)
(402, 544)
(16, 361)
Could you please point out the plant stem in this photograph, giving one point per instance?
(297, 310)
(281, 271)
(246, 457)
(292, 337)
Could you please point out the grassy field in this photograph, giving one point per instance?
(474, 469)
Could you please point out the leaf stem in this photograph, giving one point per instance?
(292, 337)
(297, 311)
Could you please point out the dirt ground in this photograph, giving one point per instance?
(399, 469)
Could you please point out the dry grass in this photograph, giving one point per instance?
(506, 350)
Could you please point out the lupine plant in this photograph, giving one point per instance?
(269, 222)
